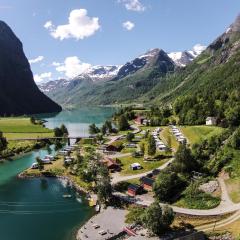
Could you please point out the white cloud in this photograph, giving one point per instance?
(79, 26)
(128, 25)
(48, 25)
(36, 60)
(56, 64)
(43, 76)
(133, 5)
(72, 67)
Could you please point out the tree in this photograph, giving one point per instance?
(104, 129)
(157, 219)
(58, 132)
(123, 123)
(142, 148)
(3, 142)
(104, 187)
(130, 136)
(151, 145)
(93, 129)
(135, 215)
(236, 139)
(167, 185)
(64, 130)
(33, 120)
(109, 126)
(40, 163)
(184, 161)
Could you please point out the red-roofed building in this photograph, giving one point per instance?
(111, 164)
(139, 120)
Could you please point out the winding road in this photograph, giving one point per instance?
(226, 205)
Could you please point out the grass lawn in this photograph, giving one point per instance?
(233, 187)
(147, 166)
(14, 127)
(196, 134)
(232, 228)
(168, 138)
(10, 136)
(56, 166)
(197, 220)
(205, 202)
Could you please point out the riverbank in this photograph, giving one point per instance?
(69, 181)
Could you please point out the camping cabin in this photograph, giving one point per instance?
(211, 121)
(147, 183)
(155, 173)
(134, 189)
(114, 148)
(111, 164)
(139, 120)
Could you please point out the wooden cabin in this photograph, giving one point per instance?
(147, 183)
(134, 189)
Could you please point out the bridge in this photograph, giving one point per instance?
(47, 138)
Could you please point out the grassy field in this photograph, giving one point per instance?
(232, 228)
(197, 220)
(205, 202)
(147, 166)
(168, 138)
(22, 128)
(233, 187)
(196, 134)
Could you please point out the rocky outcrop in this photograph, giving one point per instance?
(18, 92)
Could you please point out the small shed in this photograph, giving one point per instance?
(134, 189)
(147, 183)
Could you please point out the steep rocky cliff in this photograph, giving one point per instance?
(18, 92)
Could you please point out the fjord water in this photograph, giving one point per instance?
(34, 208)
(78, 120)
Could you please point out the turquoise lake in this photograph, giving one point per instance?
(34, 209)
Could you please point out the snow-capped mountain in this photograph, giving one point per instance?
(153, 58)
(181, 59)
(100, 73)
(53, 85)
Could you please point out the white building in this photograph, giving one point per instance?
(210, 121)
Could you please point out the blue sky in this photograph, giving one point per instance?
(106, 32)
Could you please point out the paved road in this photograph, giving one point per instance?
(223, 208)
(116, 177)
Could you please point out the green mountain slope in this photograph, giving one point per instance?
(134, 79)
(207, 87)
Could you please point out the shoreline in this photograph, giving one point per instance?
(71, 182)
